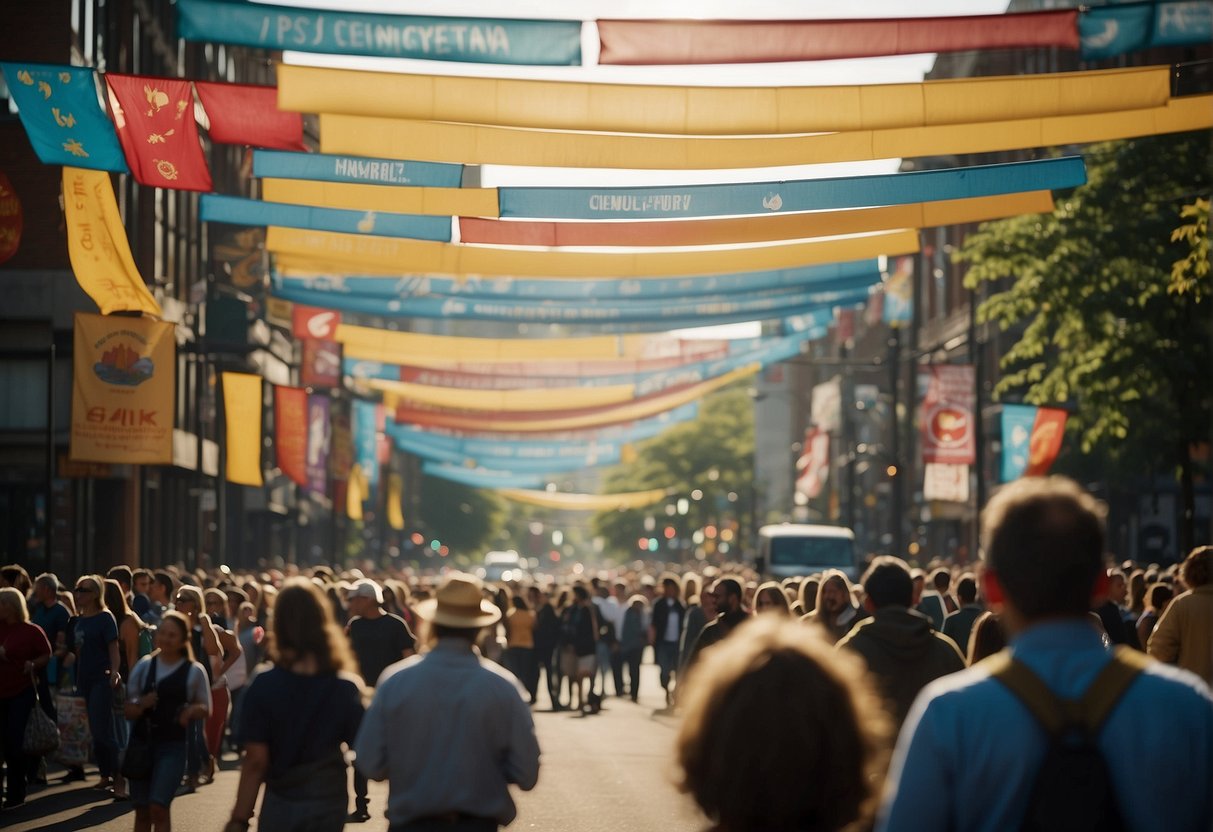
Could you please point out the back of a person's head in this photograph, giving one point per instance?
(1197, 568)
(941, 579)
(966, 589)
(888, 583)
(1159, 595)
(754, 757)
(988, 637)
(304, 628)
(1044, 540)
(122, 574)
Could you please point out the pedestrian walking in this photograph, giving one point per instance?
(665, 633)
(519, 656)
(24, 651)
(1184, 632)
(98, 659)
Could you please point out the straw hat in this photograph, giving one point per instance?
(459, 602)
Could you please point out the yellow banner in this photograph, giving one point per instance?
(356, 491)
(471, 144)
(440, 202)
(398, 393)
(395, 494)
(297, 248)
(97, 245)
(675, 110)
(586, 502)
(242, 401)
(123, 390)
(365, 342)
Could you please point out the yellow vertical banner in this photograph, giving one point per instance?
(123, 387)
(97, 245)
(356, 491)
(395, 495)
(242, 416)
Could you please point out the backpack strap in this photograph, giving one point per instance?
(1111, 683)
(1046, 707)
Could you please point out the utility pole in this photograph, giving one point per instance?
(895, 440)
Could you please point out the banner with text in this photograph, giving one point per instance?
(291, 432)
(947, 419)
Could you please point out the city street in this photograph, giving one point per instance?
(605, 772)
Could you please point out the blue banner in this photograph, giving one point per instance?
(366, 440)
(528, 42)
(1017, 423)
(325, 167)
(240, 211)
(483, 477)
(552, 465)
(496, 288)
(1110, 31)
(807, 324)
(754, 198)
(59, 108)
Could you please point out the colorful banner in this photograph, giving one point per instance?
(475, 144)
(1112, 30)
(11, 219)
(367, 424)
(899, 293)
(947, 419)
(538, 42)
(1031, 439)
(482, 477)
(155, 120)
(97, 246)
(298, 248)
(442, 202)
(237, 254)
(321, 364)
(319, 438)
(291, 432)
(247, 114)
(710, 111)
(801, 195)
(395, 497)
(406, 394)
(542, 467)
(311, 322)
(123, 390)
(814, 464)
(240, 211)
(587, 502)
(59, 110)
(242, 404)
(322, 167)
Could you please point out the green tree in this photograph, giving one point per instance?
(713, 455)
(465, 519)
(1107, 320)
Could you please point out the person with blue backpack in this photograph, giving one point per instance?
(1052, 732)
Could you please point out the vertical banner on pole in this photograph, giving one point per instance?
(899, 293)
(242, 418)
(814, 464)
(291, 432)
(319, 437)
(1031, 439)
(123, 387)
(947, 419)
(368, 419)
(945, 483)
(395, 496)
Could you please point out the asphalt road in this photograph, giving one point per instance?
(609, 771)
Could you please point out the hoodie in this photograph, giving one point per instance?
(903, 652)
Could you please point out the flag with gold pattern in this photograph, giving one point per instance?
(155, 119)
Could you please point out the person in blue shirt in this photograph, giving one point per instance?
(969, 752)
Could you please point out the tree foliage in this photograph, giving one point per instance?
(714, 455)
(465, 519)
(1110, 302)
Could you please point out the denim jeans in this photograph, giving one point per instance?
(168, 767)
(294, 815)
(666, 654)
(103, 724)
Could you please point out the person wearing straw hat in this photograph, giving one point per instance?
(449, 730)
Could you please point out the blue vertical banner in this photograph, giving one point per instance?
(1017, 423)
(368, 419)
(899, 293)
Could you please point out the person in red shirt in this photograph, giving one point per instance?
(23, 651)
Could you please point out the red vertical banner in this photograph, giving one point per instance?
(321, 365)
(947, 419)
(1045, 441)
(11, 219)
(310, 322)
(290, 432)
(155, 121)
(814, 464)
(247, 114)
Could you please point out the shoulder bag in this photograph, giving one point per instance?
(41, 732)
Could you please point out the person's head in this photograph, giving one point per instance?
(535, 597)
(115, 600)
(887, 583)
(941, 580)
(1118, 587)
(141, 581)
(235, 598)
(519, 602)
(460, 610)
(14, 575)
(46, 589)
(987, 638)
(216, 603)
(728, 595)
(809, 588)
(833, 594)
(364, 599)
(173, 635)
(670, 586)
(305, 631)
(690, 586)
(89, 594)
(1197, 568)
(770, 598)
(581, 595)
(1044, 544)
(121, 574)
(1137, 590)
(920, 581)
(966, 589)
(188, 601)
(621, 591)
(163, 587)
(707, 602)
(1159, 596)
(12, 606)
(754, 757)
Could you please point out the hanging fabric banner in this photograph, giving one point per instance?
(123, 389)
(291, 432)
(899, 293)
(247, 114)
(584, 434)
(1109, 31)
(358, 491)
(395, 497)
(155, 120)
(242, 419)
(240, 211)
(538, 42)
(97, 245)
(321, 363)
(296, 247)
(708, 111)
(504, 401)
(948, 433)
(11, 219)
(311, 322)
(322, 167)
(945, 482)
(587, 502)
(442, 202)
(319, 437)
(1031, 439)
(482, 477)
(367, 425)
(65, 123)
(512, 375)
(561, 465)
(813, 466)
(476, 144)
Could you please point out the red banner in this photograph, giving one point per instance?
(321, 365)
(1045, 442)
(246, 114)
(814, 464)
(311, 322)
(11, 219)
(155, 121)
(947, 419)
(290, 432)
(657, 42)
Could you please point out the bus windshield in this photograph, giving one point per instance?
(811, 551)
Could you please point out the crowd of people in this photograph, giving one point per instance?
(904, 696)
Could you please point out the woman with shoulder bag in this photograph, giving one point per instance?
(167, 691)
(98, 674)
(304, 770)
(23, 649)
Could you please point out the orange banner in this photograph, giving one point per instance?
(290, 432)
(123, 387)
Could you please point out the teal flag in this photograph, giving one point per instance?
(240, 211)
(327, 167)
(1112, 30)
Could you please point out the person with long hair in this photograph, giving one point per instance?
(519, 656)
(98, 675)
(166, 693)
(310, 684)
(24, 650)
(770, 597)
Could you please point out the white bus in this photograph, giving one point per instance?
(791, 549)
